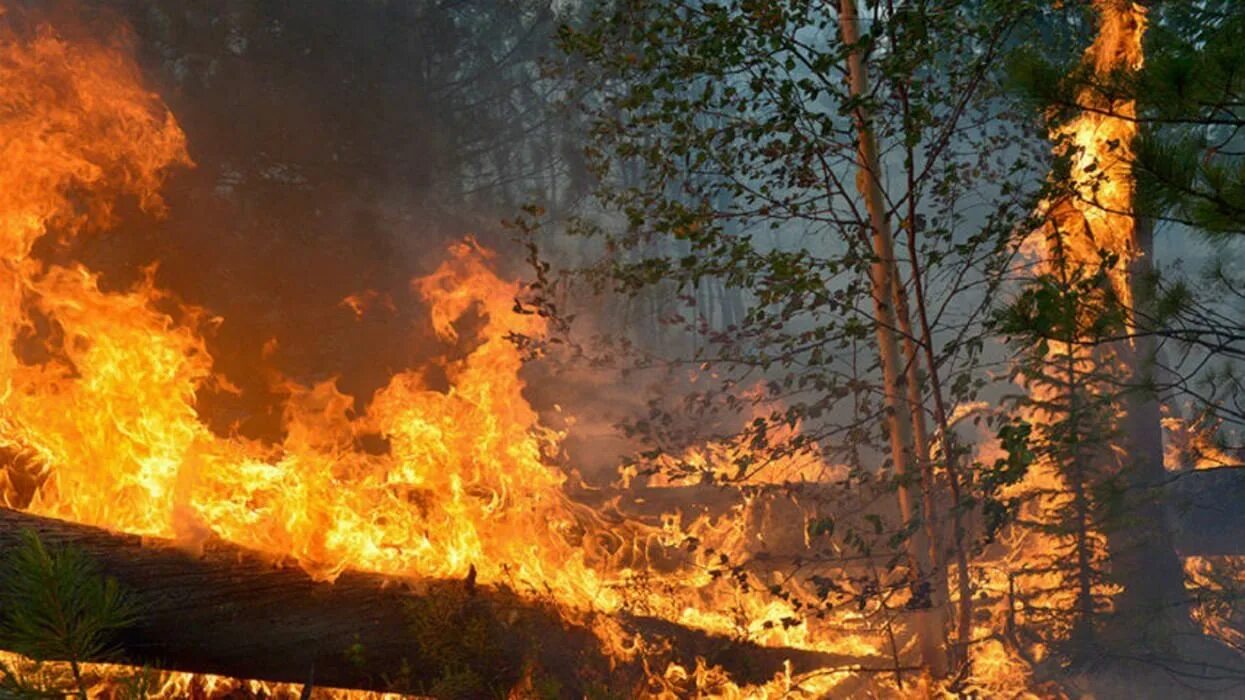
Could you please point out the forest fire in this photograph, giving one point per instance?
(102, 429)
(437, 531)
(110, 420)
(1089, 231)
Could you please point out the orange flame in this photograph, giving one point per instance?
(98, 391)
(1084, 229)
(1098, 216)
(98, 399)
(99, 387)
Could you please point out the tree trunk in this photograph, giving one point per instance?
(957, 550)
(921, 444)
(237, 613)
(1154, 603)
(928, 618)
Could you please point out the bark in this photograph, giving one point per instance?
(924, 457)
(958, 550)
(1153, 604)
(233, 612)
(928, 618)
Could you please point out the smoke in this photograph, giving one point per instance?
(339, 146)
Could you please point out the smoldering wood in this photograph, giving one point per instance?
(233, 612)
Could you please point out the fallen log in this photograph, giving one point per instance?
(774, 517)
(234, 612)
(1206, 515)
(237, 613)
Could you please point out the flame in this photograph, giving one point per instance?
(708, 681)
(1191, 444)
(98, 408)
(361, 303)
(99, 387)
(1090, 228)
(1098, 217)
(102, 681)
(99, 421)
(736, 460)
(108, 413)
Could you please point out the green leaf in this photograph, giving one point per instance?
(55, 604)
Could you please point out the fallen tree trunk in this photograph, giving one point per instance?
(236, 613)
(1204, 506)
(774, 517)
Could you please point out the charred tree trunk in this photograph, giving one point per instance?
(233, 612)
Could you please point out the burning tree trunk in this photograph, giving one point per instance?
(1143, 558)
(928, 620)
(1099, 253)
(234, 612)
